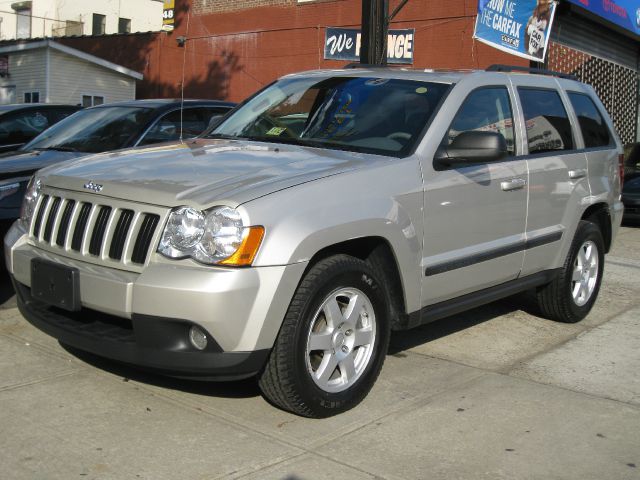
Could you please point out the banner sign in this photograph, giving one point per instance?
(168, 15)
(519, 27)
(624, 13)
(344, 44)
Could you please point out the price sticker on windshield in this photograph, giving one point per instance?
(276, 131)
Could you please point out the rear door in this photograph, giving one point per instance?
(475, 214)
(558, 174)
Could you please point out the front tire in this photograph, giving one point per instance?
(332, 342)
(571, 295)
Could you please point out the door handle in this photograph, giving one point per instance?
(576, 174)
(513, 184)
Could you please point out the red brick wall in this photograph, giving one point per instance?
(204, 7)
(231, 54)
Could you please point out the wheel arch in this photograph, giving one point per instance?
(378, 252)
(599, 214)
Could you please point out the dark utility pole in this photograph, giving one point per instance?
(373, 47)
(375, 26)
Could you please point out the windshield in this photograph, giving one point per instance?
(375, 115)
(94, 130)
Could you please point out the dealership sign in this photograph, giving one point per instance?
(624, 13)
(519, 27)
(344, 44)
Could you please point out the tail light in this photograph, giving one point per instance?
(621, 168)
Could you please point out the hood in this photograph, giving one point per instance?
(22, 163)
(201, 172)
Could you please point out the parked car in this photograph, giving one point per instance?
(631, 159)
(631, 198)
(324, 212)
(20, 123)
(100, 129)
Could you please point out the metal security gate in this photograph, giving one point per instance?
(617, 86)
(604, 59)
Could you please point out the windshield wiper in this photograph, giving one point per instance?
(59, 149)
(221, 136)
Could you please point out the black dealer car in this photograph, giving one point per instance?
(101, 129)
(21, 123)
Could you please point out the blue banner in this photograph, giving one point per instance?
(624, 13)
(519, 27)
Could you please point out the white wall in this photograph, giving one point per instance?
(70, 78)
(27, 74)
(48, 16)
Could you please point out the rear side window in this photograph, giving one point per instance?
(546, 120)
(594, 129)
(485, 110)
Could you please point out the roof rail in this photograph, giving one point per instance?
(364, 65)
(535, 71)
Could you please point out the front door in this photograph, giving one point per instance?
(475, 215)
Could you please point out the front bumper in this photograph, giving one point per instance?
(154, 343)
(144, 318)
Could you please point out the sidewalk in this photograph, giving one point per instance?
(494, 393)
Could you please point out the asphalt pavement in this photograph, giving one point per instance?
(494, 393)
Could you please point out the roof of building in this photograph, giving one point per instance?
(48, 43)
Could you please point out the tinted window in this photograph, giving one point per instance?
(594, 130)
(376, 115)
(546, 120)
(168, 127)
(485, 110)
(95, 130)
(16, 128)
(57, 114)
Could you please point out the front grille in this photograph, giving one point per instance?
(96, 229)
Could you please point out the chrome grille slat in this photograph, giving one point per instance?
(97, 229)
(42, 207)
(131, 238)
(65, 221)
(51, 218)
(120, 234)
(80, 227)
(141, 247)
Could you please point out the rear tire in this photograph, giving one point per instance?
(332, 342)
(571, 295)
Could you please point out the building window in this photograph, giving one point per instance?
(31, 97)
(92, 100)
(124, 25)
(23, 19)
(99, 24)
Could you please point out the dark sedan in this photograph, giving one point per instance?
(21, 123)
(631, 198)
(101, 129)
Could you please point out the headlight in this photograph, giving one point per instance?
(216, 236)
(30, 199)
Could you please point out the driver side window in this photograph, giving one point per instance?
(485, 110)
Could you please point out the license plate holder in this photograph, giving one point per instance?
(55, 284)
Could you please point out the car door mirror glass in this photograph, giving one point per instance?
(473, 147)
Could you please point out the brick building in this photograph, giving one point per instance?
(228, 49)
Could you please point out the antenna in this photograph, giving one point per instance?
(184, 63)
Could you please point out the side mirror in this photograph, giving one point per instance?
(472, 147)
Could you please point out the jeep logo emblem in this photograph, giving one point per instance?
(94, 187)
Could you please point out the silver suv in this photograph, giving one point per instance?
(327, 210)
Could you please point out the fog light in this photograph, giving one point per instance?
(198, 338)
